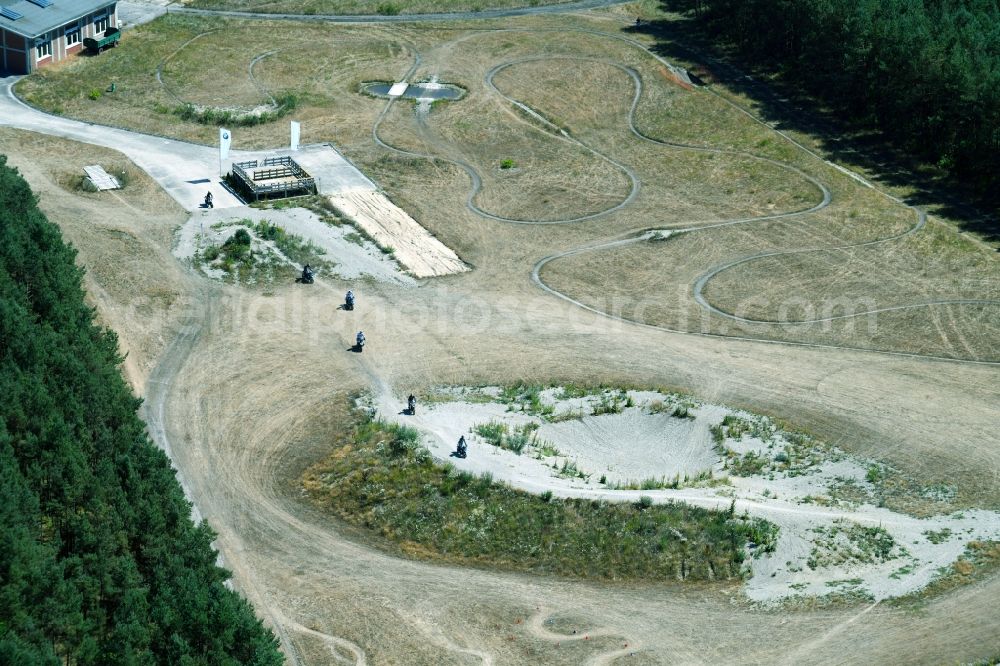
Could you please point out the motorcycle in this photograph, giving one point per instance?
(462, 450)
(412, 405)
(359, 342)
(307, 277)
(208, 201)
(349, 301)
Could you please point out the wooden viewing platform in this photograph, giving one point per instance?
(277, 177)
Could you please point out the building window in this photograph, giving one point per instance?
(72, 34)
(101, 25)
(43, 47)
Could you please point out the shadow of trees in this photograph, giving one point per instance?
(784, 104)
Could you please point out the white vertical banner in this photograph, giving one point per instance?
(225, 141)
(296, 133)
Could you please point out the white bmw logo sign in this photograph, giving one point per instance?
(225, 135)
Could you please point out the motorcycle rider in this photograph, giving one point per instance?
(349, 300)
(411, 404)
(462, 447)
(208, 201)
(360, 340)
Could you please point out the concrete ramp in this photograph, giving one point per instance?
(101, 179)
(390, 226)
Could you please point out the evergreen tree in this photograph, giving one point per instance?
(925, 73)
(100, 561)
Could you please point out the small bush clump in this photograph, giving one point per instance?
(525, 398)
(515, 439)
(682, 412)
(612, 403)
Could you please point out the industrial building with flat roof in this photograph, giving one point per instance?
(35, 33)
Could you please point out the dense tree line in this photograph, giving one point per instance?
(926, 73)
(100, 562)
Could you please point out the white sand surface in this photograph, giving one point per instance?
(634, 445)
(637, 444)
(351, 259)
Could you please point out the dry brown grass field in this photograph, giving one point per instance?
(253, 389)
(356, 7)
(577, 157)
(123, 240)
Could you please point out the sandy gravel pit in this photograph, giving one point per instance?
(621, 445)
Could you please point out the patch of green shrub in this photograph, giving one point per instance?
(502, 436)
(848, 542)
(611, 403)
(435, 512)
(284, 104)
(241, 237)
(570, 470)
(493, 432)
(682, 412)
(295, 248)
(749, 464)
(938, 536)
(526, 398)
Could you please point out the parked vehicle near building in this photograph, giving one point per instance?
(36, 34)
(108, 41)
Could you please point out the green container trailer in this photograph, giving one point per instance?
(108, 41)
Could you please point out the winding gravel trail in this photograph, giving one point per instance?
(236, 484)
(545, 126)
(634, 237)
(477, 181)
(154, 406)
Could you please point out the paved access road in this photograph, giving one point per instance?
(185, 170)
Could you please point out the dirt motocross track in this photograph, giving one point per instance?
(244, 426)
(246, 388)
